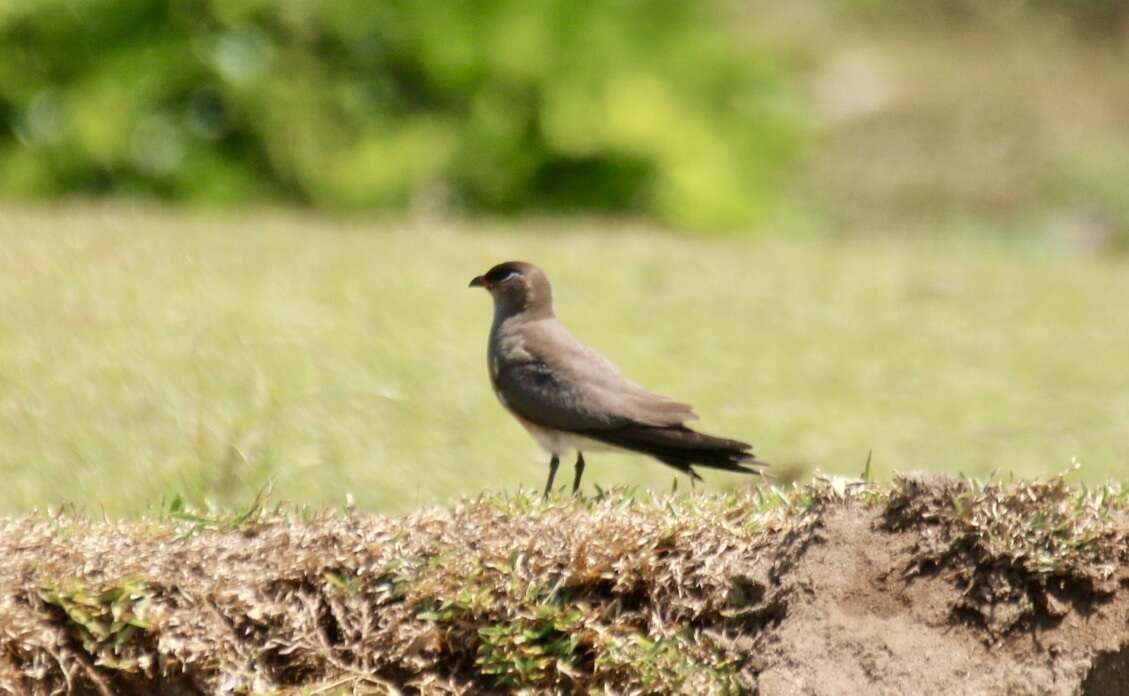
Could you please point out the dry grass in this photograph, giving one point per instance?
(612, 594)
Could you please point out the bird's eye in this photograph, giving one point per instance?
(506, 275)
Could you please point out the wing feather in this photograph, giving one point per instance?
(549, 378)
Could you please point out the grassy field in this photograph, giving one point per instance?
(146, 354)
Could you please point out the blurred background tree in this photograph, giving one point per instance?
(834, 115)
(647, 106)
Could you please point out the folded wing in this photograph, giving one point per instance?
(559, 383)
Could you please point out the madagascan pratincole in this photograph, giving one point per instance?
(569, 397)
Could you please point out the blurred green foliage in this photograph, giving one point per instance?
(650, 106)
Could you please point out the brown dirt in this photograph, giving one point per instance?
(859, 624)
(933, 586)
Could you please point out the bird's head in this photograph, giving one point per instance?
(517, 287)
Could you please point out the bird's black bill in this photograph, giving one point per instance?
(478, 282)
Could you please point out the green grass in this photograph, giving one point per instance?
(145, 354)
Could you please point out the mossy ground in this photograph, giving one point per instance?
(618, 593)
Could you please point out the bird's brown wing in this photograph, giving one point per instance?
(552, 380)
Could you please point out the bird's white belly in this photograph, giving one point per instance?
(560, 442)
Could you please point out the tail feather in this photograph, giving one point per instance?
(681, 447)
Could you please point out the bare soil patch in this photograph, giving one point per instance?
(929, 586)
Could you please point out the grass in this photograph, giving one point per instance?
(146, 354)
(552, 595)
(614, 593)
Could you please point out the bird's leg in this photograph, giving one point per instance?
(553, 464)
(579, 471)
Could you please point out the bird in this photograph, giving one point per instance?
(571, 398)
